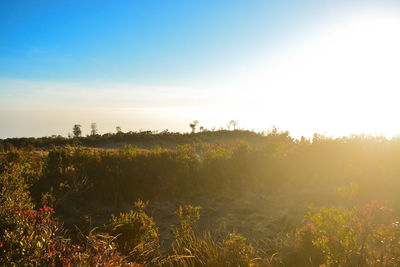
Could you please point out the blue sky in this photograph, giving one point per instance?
(160, 64)
(137, 41)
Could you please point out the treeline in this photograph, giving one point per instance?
(142, 139)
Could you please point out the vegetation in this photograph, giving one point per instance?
(141, 139)
(226, 198)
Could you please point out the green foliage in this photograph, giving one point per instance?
(340, 236)
(77, 130)
(143, 139)
(188, 216)
(360, 236)
(33, 237)
(205, 250)
(27, 235)
(96, 250)
(136, 234)
(236, 252)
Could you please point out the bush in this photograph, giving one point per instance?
(96, 250)
(359, 236)
(188, 216)
(32, 237)
(28, 236)
(236, 252)
(136, 234)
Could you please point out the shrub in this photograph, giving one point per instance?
(188, 216)
(236, 252)
(189, 248)
(97, 250)
(32, 237)
(359, 236)
(28, 236)
(136, 234)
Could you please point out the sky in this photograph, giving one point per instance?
(329, 67)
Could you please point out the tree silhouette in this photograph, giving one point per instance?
(77, 130)
(232, 123)
(93, 126)
(193, 125)
(118, 128)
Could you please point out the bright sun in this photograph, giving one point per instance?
(343, 80)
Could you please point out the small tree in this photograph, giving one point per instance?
(118, 128)
(93, 127)
(77, 130)
(233, 123)
(193, 125)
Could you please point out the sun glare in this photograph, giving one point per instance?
(343, 80)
